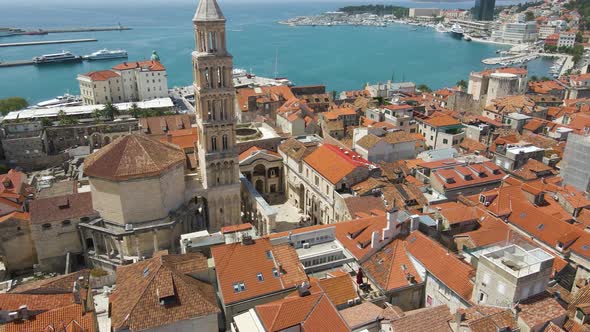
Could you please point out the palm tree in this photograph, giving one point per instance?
(110, 111)
(135, 111)
(424, 88)
(462, 84)
(97, 114)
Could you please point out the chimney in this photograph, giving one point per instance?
(392, 214)
(374, 239)
(303, 289)
(414, 222)
(389, 231)
(23, 312)
(76, 292)
(459, 316)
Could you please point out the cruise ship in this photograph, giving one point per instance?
(106, 54)
(457, 31)
(64, 56)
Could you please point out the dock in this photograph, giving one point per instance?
(66, 30)
(45, 42)
(16, 63)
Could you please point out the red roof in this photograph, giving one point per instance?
(101, 75)
(438, 261)
(334, 163)
(149, 64)
(473, 174)
(253, 150)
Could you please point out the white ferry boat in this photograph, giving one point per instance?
(457, 31)
(106, 54)
(64, 56)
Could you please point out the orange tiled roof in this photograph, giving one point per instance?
(438, 262)
(540, 309)
(136, 302)
(160, 125)
(133, 156)
(355, 235)
(425, 319)
(148, 64)
(101, 75)
(270, 93)
(69, 318)
(334, 164)
(253, 150)
(183, 138)
(473, 174)
(391, 267)
(339, 289)
(237, 262)
(441, 120)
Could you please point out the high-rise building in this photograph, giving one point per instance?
(484, 10)
(214, 104)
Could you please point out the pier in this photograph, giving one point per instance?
(45, 42)
(65, 30)
(16, 63)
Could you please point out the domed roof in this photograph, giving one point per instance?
(155, 56)
(131, 157)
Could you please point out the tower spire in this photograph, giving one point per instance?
(208, 10)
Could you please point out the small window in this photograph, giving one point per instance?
(259, 276)
(275, 272)
(66, 223)
(46, 226)
(268, 254)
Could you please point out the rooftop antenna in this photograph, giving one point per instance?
(276, 63)
(393, 76)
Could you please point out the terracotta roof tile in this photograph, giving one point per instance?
(237, 262)
(69, 318)
(148, 64)
(391, 267)
(101, 75)
(133, 156)
(362, 314)
(334, 164)
(141, 287)
(426, 319)
(254, 150)
(364, 204)
(438, 262)
(540, 309)
(339, 289)
(56, 285)
(60, 208)
(441, 120)
(161, 125)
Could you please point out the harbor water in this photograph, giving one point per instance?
(341, 57)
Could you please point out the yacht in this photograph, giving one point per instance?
(457, 31)
(64, 56)
(106, 54)
(441, 28)
(60, 100)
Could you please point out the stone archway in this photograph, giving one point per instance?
(259, 186)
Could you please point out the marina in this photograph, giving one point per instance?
(48, 42)
(9, 32)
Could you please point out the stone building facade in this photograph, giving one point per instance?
(17, 251)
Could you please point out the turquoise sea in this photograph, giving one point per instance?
(340, 57)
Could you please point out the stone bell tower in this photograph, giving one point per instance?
(214, 105)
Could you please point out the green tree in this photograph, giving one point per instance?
(529, 16)
(110, 111)
(12, 104)
(64, 120)
(423, 88)
(135, 111)
(97, 114)
(534, 78)
(545, 78)
(462, 84)
(46, 122)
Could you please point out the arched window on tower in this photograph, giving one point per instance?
(224, 142)
(219, 77)
(209, 110)
(207, 77)
(213, 144)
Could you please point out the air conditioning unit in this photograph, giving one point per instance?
(128, 227)
(350, 302)
(357, 300)
(306, 246)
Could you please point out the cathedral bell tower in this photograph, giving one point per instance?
(214, 106)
